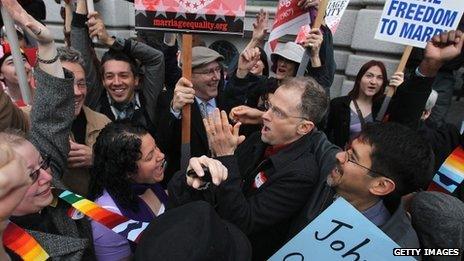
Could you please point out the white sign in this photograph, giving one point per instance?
(414, 22)
(334, 13)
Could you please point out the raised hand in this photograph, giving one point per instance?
(314, 41)
(260, 26)
(248, 58)
(14, 181)
(97, 28)
(33, 27)
(440, 49)
(223, 138)
(397, 79)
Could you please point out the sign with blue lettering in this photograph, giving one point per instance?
(414, 22)
(339, 233)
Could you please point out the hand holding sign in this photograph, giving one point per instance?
(97, 28)
(306, 4)
(439, 50)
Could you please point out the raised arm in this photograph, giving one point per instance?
(152, 61)
(52, 113)
(410, 98)
(80, 41)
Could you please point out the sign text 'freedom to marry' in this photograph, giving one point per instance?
(414, 22)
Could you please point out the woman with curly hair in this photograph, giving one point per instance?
(127, 168)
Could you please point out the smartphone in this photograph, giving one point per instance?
(206, 178)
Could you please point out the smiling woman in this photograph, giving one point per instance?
(127, 168)
(348, 114)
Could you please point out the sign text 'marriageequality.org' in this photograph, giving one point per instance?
(192, 25)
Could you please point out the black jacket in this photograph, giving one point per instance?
(405, 107)
(264, 214)
(170, 132)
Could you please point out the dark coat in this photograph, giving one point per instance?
(398, 227)
(263, 214)
(406, 107)
(169, 136)
(338, 122)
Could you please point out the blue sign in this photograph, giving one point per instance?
(339, 233)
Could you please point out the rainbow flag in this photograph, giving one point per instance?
(128, 228)
(23, 244)
(451, 173)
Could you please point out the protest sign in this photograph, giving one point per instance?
(202, 16)
(289, 18)
(334, 13)
(450, 174)
(339, 233)
(414, 22)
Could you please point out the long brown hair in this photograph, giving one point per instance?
(354, 93)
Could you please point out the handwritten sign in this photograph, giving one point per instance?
(201, 16)
(339, 233)
(334, 13)
(414, 22)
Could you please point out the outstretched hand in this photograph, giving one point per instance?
(223, 138)
(34, 28)
(246, 115)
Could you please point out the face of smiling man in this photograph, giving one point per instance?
(119, 80)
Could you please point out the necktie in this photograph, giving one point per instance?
(203, 110)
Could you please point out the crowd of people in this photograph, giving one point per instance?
(269, 150)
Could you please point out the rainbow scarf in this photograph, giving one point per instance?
(128, 228)
(23, 244)
(451, 173)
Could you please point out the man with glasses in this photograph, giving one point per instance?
(86, 126)
(204, 94)
(272, 174)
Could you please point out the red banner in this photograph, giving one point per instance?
(205, 16)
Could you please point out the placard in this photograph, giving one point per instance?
(334, 13)
(339, 233)
(201, 16)
(413, 22)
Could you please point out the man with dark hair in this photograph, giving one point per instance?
(114, 90)
(272, 174)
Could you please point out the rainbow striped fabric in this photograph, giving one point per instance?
(128, 228)
(23, 244)
(450, 174)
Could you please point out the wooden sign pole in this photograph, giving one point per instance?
(317, 24)
(186, 110)
(391, 89)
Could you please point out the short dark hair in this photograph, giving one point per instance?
(119, 56)
(116, 153)
(400, 154)
(354, 93)
(314, 100)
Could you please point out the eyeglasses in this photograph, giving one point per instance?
(279, 113)
(211, 72)
(45, 164)
(81, 84)
(349, 158)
